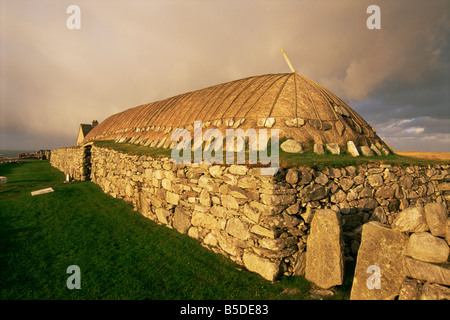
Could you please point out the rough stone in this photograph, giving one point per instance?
(409, 290)
(366, 151)
(172, 198)
(447, 232)
(436, 216)
(432, 291)
(277, 200)
(181, 221)
(278, 244)
(291, 146)
(375, 180)
(333, 148)
(229, 244)
(339, 127)
(346, 184)
(426, 247)
(292, 176)
(324, 253)
(318, 148)
(351, 148)
(238, 169)
(295, 122)
(211, 239)
(381, 250)
(268, 269)
(411, 219)
(314, 192)
(385, 192)
(305, 176)
(299, 266)
(203, 219)
(236, 228)
(205, 198)
(229, 201)
(426, 271)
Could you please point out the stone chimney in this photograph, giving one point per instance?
(94, 123)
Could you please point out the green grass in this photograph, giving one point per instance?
(287, 160)
(121, 254)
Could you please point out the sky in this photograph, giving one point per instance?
(132, 52)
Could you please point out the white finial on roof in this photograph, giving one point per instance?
(287, 60)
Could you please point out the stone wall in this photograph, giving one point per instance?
(408, 260)
(74, 161)
(263, 222)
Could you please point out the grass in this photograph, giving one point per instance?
(308, 159)
(121, 254)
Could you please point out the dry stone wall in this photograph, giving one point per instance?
(408, 260)
(263, 222)
(74, 161)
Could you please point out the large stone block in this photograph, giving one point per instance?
(411, 219)
(436, 216)
(181, 220)
(431, 272)
(426, 247)
(379, 270)
(314, 192)
(268, 269)
(324, 252)
(238, 229)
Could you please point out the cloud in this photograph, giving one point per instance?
(52, 79)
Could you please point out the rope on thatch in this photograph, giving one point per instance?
(295, 95)
(283, 75)
(184, 97)
(312, 101)
(203, 100)
(278, 95)
(227, 96)
(251, 82)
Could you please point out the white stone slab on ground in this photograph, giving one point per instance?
(42, 191)
(3, 179)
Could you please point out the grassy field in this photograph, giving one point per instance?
(121, 254)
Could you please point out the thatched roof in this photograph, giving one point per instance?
(299, 107)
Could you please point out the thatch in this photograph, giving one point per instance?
(299, 107)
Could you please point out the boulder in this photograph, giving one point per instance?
(268, 269)
(366, 151)
(229, 201)
(314, 192)
(426, 247)
(333, 148)
(447, 232)
(411, 219)
(436, 217)
(431, 272)
(379, 271)
(181, 220)
(351, 148)
(409, 290)
(292, 176)
(203, 219)
(318, 148)
(238, 169)
(238, 229)
(291, 146)
(324, 253)
(432, 291)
